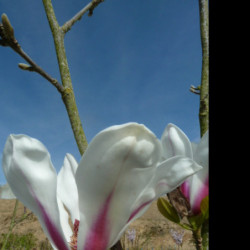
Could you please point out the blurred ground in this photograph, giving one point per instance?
(152, 229)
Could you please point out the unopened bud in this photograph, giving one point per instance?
(25, 66)
(8, 29)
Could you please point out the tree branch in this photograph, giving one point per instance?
(89, 7)
(204, 87)
(39, 70)
(201, 90)
(9, 40)
(68, 93)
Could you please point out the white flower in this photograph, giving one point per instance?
(118, 177)
(175, 142)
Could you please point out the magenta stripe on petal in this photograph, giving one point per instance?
(203, 192)
(185, 189)
(137, 210)
(98, 237)
(52, 229)
(58, 240)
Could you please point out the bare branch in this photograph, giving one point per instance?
(8, 39)
(68, 95)
(204, 87)
(35, 68)
(89, 7)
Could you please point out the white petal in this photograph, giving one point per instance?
(64, 220)
(32, 178)
(6, 193)
(116, 167)
(201, 152)
(66, 186)
(173, 172)
(194, 146)
(175, 142)
(166, 177)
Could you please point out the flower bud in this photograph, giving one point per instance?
(25, 66)
(8, 29)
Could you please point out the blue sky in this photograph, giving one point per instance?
(132, 60)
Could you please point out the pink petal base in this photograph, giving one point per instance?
(98, 237)
(204, 191)
(185, 189)
(52, 229)
(55, 235)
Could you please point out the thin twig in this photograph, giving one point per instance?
(89, 7)
(9, 40)
(39, 70)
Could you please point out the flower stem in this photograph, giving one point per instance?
(204, 87)
(197, 239)
(204, 100)
(204, 234)
(68, 93)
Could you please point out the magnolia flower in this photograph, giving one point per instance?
(175, 142)
(118, 177)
